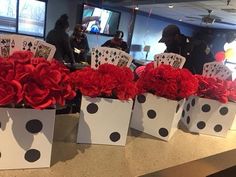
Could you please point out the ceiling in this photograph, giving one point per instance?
(188, 11)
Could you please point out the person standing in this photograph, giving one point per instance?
(60, 39)
(196, 52)
(79, 44)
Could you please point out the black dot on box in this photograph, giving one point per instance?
(224, 111)
(177, 108)
(151, 114)
(183, 113)
(193, 102)
(188, 120)
(115, 136)
(201, 125)
(218, 128)
(206, 108)
(92, 108)
(34, 126)
(32, 155)
(141, 98)
(188, 107)
(163, 132)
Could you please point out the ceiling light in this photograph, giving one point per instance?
(180, 20)
(171, 6)
(136, 8)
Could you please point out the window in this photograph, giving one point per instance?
(23, 16)
(8, 15)
(31, 17)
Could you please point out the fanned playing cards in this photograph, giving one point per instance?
(217, 70)
(102, 55)
(172, 59)
(10, 43)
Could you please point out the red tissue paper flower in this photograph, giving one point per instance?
(231, 90)
(34, 82)
(107, 81)
(167, 81)
(212, 88)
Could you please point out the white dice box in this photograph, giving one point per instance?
(26, 137)
(104, 121)
(207, 116)
(156, 116)
(233, 127)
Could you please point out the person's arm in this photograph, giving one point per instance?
(68, 49)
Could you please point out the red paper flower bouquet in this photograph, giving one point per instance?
(168, 82)
(33, 82)
(107, 81)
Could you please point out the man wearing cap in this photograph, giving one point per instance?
(196, 52)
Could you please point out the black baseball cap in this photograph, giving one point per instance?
(170, 30)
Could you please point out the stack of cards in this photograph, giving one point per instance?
(217, 70)
(172, 59)
(102, 55)
(12, 43)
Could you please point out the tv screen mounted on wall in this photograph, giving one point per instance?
(100, 21)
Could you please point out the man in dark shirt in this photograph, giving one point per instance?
(61, 40)
(196, 52)
(117, 42)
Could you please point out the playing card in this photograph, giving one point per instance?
(124, 60)
(27, 44)
(35, 45)
(172, 59)
(15, 43)
(96, 57)
(216, 69)
(110, 55)
(178, 61)
(5, 41)
(45, 50)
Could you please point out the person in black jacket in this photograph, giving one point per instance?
(196, 52)
(117, 42)
(79, 44)
(61, 40)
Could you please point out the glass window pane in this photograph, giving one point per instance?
(8, 15)
(31, 17)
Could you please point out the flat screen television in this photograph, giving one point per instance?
(99, 20)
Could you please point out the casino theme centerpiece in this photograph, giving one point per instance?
(213, 109)
(107, 89)
(30, 88)
(163, 87)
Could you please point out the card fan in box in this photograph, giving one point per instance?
(162, 87)
(13, 43)
(156, 116)
(102, 55)
(27, 137)
(104, 121)
(212, 111)
(27, 86)
(106, 106)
